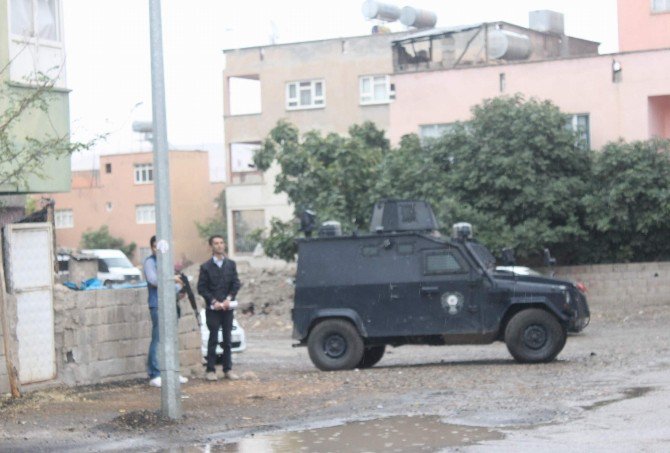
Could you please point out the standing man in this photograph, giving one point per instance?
(151, 275)
(218, 284)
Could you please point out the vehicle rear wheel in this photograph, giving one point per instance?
(371, 355)
(335, 344)
(534, 336)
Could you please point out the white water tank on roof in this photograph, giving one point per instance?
(546, 21)
(380, 11)
(419, 18)
(508, 45)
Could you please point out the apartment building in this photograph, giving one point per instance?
(324, 85)
(643, 24)
(624, 95)
(423, 81)
(31, 42)
(121, 195)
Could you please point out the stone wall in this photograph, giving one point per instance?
(104, 335)
(633, 285)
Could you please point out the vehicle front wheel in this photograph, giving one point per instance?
(534, 336)
(371, 355)
(334, 344)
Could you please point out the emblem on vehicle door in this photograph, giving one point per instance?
(452, 302)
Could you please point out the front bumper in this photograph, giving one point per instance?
(581, 314)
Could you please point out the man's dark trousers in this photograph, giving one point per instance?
(215, 320)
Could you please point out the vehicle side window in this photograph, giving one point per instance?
(444, 262)
(102, 266)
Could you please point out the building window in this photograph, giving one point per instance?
(246, 225)
(579, 124)
(434, 131)
(63, 218)
(660, 6)
(310, 94)
(145, 213)
(244, 95)
(36, 19)
(242, 157)
(375, 90)
(241, 161)
(108, 168)
(144, 173)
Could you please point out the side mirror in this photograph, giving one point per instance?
(508, 258)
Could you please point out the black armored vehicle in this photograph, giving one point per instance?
(404, 284)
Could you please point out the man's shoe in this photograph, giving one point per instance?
(183, 379)
(155, 382)
(230, 376)
(211, 376)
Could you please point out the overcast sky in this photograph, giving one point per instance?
(108, 67)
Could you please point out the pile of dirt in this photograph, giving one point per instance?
(139, 421)
(266, 297)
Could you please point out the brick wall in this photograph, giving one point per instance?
(104, 336)
(627, 285)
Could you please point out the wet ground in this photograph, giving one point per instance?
(608, 391)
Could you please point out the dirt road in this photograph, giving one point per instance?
(608, 390)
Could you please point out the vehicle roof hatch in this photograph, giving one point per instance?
(402, 215)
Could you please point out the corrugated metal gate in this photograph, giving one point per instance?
(30, 275)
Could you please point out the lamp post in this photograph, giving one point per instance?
(167, 310)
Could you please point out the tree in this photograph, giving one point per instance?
(22, 156)
(628, 202)
(217, 224)
(514, 171)
(333, 175)
(102, 239)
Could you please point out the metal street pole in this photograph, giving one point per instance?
(167, 309)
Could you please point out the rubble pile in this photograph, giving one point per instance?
(266, 297)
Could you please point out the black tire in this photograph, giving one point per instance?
(334, 344)
(534, 336)
(371, 355)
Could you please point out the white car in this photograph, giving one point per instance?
(518, 270)
(239, 339)
(114, 267)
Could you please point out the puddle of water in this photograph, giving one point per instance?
(401, 434)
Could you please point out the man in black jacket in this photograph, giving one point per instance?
(218, 284)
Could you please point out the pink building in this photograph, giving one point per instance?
(643, 24)
(121, 196)
(607, 97)
(632, 102)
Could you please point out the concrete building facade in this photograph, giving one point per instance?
(434, 78)
(121, 195)
(31, 43)
(631, 103)
(323, 85)
(643, 24)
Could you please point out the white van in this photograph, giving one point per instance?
(114, 267)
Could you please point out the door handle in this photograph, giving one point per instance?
(430, 289)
